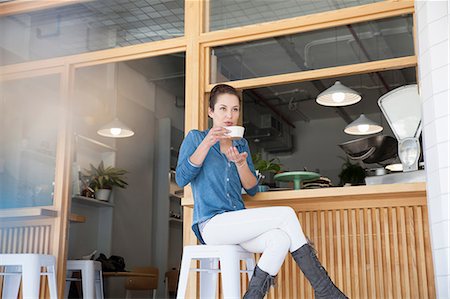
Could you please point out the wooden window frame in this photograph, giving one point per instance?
(197, 45)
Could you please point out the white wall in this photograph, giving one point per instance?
(165, 108)
(167, 249)
(433, 43)
(132, 221)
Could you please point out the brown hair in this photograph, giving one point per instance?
(221, 89)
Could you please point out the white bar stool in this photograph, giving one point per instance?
(91, 278)
(28, 267)
(209, 257)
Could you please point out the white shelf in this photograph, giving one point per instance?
(92, 201)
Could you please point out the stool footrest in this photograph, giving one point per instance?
(216, 270)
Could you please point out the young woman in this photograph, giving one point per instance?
(217, 168)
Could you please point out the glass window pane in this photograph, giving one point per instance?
(285, 121)
(235, 13)
(88, 26)
(146, 95)
(344, 45)
(28, 134)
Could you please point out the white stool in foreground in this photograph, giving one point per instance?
(28, 267)
(209, 256)
(91, 278)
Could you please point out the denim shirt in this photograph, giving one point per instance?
(216, 185)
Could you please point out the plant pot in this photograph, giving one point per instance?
(103, 194)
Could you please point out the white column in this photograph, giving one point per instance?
(433, 54)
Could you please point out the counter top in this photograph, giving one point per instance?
(334, 194)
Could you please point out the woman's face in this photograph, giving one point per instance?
(226, 111)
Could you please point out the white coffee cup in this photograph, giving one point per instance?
(236, 132)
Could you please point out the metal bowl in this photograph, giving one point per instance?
(373, 149)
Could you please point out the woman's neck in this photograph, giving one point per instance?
(224, 145)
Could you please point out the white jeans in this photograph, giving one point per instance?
(271, 231)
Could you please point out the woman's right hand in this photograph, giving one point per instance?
(216, 134)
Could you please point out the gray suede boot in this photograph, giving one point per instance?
(324, 288)
(259, 284)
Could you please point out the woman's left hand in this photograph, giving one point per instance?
(233, 155)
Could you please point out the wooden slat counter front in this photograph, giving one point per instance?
(373, 240)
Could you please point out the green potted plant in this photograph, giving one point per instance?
(265, 169)
(352, 174)
(102, 179)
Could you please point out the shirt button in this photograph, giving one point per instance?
(229, 164)
(234, 207)
(228, 179)
(228, 194)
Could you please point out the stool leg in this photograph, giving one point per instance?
(51, 278)
(250, 266)
(184, 275)
(67, 289)
(208, 280)
(99, 285)
(11, 283)
(31, 274)
(88, 281)
(230, 267)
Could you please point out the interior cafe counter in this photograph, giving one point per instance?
(373, 240)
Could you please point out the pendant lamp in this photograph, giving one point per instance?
(363, 126)
(338, 95)
(115, 128)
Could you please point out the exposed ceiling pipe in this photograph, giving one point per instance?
(287, 46)
(388, 46)
(344, 116)
(349, 39)
(258, 97)
(364, 50)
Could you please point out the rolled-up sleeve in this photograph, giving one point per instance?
(251, 191)
(186, 171)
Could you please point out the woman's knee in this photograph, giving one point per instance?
(279, 239)
(287, 213)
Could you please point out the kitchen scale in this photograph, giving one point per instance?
(402, 109)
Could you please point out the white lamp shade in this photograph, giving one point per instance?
(363, 126)
(115, 129)
(338, 95)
